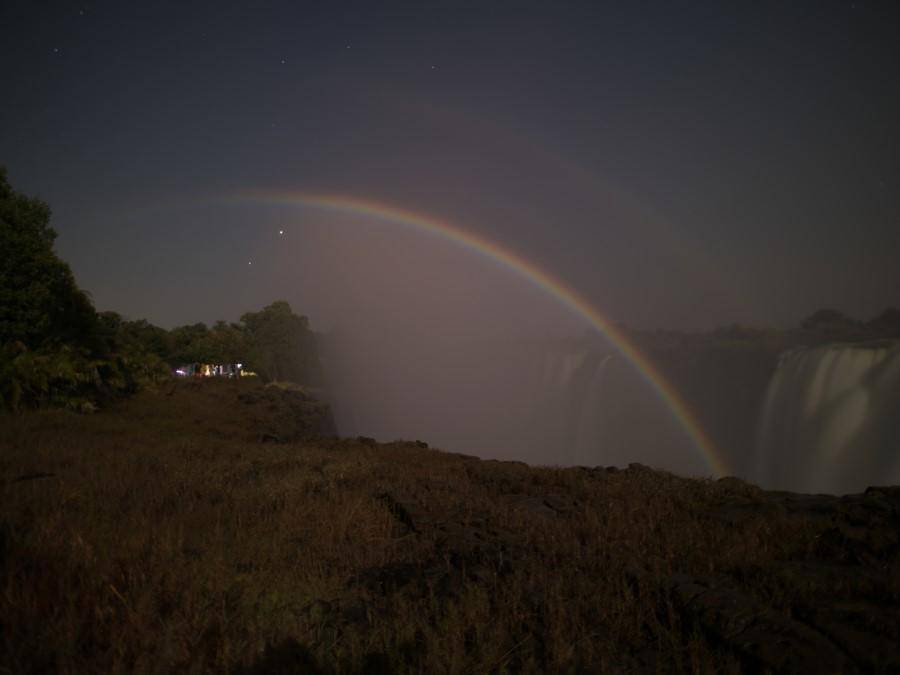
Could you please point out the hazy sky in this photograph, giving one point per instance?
(681, 164)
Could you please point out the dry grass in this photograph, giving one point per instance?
(167, 539)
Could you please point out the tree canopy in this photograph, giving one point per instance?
(40, 303)
(54, 348)
(274, 342)
(828, 319)
(281, 345)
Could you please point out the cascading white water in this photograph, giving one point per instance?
(587, 437)
(560, 366)
(592, 407)
(567, 404)
(554, 402)
(831, 419)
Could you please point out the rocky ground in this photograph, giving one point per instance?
(216, 526)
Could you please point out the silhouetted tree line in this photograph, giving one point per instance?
(273, 342)
(823, 326)
(833, 323)
(56, 349)
(52, 348)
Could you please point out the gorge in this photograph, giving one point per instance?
(820, 417)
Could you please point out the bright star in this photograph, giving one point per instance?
(280, 231)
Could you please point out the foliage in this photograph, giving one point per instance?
(282, 347)
(40, 303)
(229, 342)
(187, 344)
(886, 324)
(274, 342)
(828, 320)
(134, 337)
(196, 343)
(55, 350)
(67, 377)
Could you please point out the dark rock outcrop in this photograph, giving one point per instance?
(285, 412)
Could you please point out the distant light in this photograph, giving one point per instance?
(249, 262)
(280, 231)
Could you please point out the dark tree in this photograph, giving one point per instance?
(133, 337)
(189, 344)
(282, 347)
(54, 348)
(223, 343)
(40, 303)
(828, 320)
(886, 324)
(228, 342)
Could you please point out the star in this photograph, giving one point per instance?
(249, 262)
(280, 231)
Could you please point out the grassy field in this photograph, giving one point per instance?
(163, 536)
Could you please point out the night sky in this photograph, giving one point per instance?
(682, 165)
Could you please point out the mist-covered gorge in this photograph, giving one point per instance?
(816, 418)
(554, 401)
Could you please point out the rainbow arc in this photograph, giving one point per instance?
(531, 273)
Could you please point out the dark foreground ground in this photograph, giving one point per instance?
(176, 533)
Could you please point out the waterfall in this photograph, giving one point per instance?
(591, 407)
(572, 390)
(831, 419)
(587, 422)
